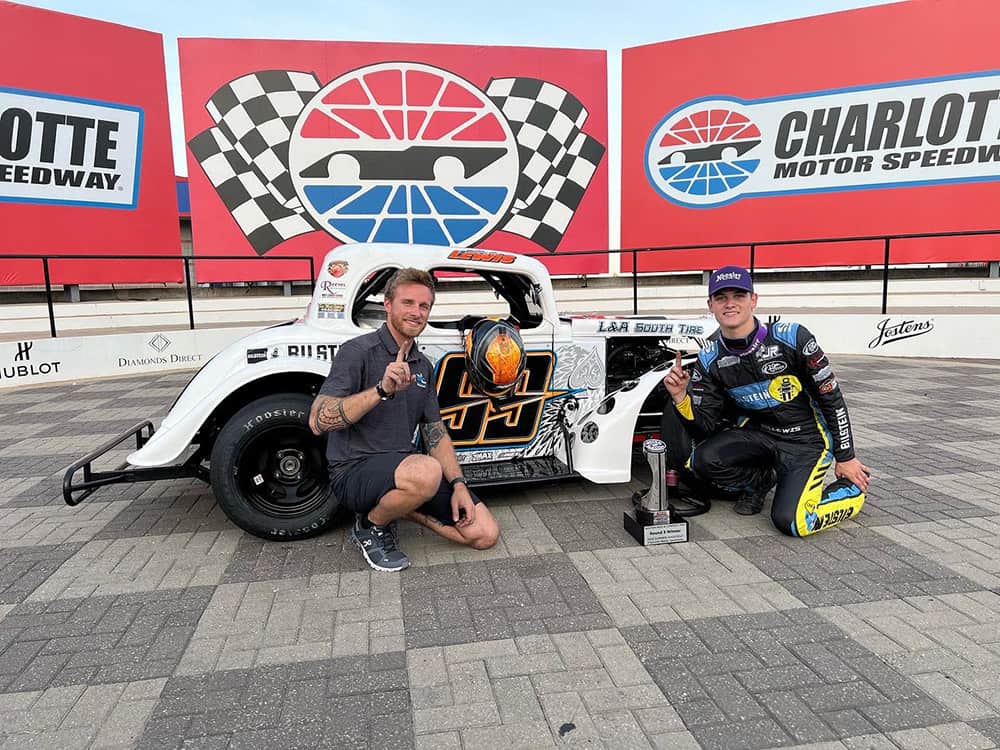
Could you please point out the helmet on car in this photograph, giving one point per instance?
(494, 357)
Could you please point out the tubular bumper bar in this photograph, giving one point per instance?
(76, 492)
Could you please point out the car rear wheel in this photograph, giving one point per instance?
(269, 471)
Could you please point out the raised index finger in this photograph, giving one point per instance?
(677, 361)
(401, 355)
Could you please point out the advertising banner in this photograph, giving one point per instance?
(296, 147)
(818, 128)
(85, 156)
(57, 360)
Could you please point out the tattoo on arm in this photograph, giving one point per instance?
(330, 416)
(434, 433)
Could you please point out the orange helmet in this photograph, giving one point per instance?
(494, 357)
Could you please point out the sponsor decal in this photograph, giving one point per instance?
(820, 375)
(773, 368)
(398, 152)
(843, 428)
(23, 367)
(695, 375)
(66, 150)
(483, 256)
(325, 352)
(329, 310)
(256, 355)
(767, 352)
(474, 420)
(889, 331)
(828, 386)
(729, 360)
(696, 400)
(817, 360)
(337, 268)
(712, 151)
(332, 289)
(420, 380)
(646, 328)
(784, 388)
(810, 348)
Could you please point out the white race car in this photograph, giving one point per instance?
(588, 394)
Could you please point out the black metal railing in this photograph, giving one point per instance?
(750, 247)
(186, 259)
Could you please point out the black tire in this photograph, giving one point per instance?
(269, 471)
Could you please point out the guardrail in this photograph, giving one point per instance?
(187, 260)
(752, 247)
(634, 252)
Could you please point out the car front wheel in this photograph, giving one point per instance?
(269, 471)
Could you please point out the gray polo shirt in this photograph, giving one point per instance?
(390, 427)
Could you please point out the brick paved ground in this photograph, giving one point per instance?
(143, 618)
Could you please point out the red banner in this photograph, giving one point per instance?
(883, 120)
(295, 147)
(85, 155)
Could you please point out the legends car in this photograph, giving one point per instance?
(589, 390)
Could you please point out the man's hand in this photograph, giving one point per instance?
(676, 381)
(854, 470)
(397, 376)
(461, 501)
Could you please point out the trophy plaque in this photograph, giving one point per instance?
(653, 521)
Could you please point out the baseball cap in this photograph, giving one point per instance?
(730, 277)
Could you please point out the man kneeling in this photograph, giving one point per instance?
(788, 418)
(379, 390)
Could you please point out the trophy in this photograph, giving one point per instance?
(653, 521)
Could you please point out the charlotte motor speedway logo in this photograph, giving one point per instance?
(397, 152)
(60, 149)
(712, 151)
(402, 152)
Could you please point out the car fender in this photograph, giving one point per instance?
(602, 442)
(227, 372)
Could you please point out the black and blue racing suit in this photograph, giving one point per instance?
(781, 390)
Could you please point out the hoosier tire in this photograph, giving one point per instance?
(269, 471)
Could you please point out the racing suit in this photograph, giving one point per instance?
(781, 391)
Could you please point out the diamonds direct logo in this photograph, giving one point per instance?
(404, 152)
(702, 153)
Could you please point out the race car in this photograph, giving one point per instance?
(590, 390)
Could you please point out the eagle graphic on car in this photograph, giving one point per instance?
(412, 163)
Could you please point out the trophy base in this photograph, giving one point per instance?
(656, 533)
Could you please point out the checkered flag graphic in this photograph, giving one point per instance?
(257, 113)
(557, 158)
(264, 220)
(245, 155)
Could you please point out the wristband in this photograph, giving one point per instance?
(458, 480)
(383, 393)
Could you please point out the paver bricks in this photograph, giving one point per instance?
(103, 567)
(97, 640)
(881, 633)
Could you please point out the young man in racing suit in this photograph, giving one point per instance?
(790, 419)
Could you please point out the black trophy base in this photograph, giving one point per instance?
(656, 533)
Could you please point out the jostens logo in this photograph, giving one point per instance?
(60, 149)
(712, 151)
(404, 152)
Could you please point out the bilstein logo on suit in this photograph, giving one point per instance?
(60, 149)
(715, 150)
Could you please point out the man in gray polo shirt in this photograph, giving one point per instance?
(379, 390)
